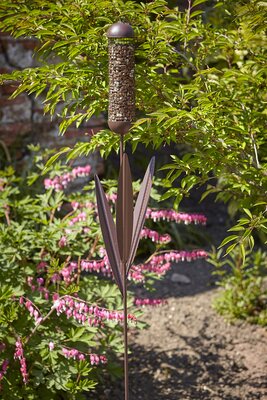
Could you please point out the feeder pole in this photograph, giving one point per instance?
(121, 239)
(121, 113)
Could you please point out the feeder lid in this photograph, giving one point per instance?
(120, 30)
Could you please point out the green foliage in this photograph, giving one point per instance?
(242, 270)
(204, 84)
(201, 81)
(245, 228)
(30, 230)
(244, 292)
(46, 234)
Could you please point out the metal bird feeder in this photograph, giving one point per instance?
(121, 110)
(122, 239)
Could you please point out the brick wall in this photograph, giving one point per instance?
(21, 119)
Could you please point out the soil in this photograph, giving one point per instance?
(189, 352)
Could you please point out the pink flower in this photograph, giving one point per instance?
(76, 205)
(176, 256)
(2, 184)
(67, 272)
(112, 197)
(172, 215)
(55, 278)
(51, 346)
(85, 314)
(155, 236)
(81, 217)
(19, 354)
(77, 355)
(3, 369)
(150, 302)
(41, 266)
(32, 310)
(97, 266)
(159, 264)
(63, 241)
(40, 281)
(2, 346)
(29, 282)
(61, 182)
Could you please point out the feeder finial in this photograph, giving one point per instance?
(120, 30)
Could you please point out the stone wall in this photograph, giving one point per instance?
(21, 119)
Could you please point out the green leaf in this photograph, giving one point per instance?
(197, 2)
(53, 159)
(196, 13)
(228, 239)
(247, 212)
(243, 253)
(236, 228)
(230, 248)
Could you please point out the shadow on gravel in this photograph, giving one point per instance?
(197, 376)
(198, 272)
(203, 367)
(195, 372)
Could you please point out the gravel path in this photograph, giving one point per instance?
(198, 356)
(191, 353)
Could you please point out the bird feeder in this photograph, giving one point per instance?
(121, 110)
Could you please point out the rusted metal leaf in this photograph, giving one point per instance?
(109, 232)
(124, 210)
(140, 210)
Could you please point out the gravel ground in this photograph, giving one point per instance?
(191, 353)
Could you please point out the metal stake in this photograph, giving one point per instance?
(125, 334)
(121, 240)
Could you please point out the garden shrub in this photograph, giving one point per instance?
(201, 81)
(60, 312)
(245, 290)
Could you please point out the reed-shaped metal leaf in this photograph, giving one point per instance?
(124, 210)
(140, 209)
(109, 232)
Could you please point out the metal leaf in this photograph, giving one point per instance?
(124, 210)
(140, 209)
(108, 231)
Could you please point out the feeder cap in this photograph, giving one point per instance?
(120, 30)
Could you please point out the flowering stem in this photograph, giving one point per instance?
(93, 247)
(37, 326)
(51, 311)
(7, 217)
(79, 270)
(156, 253)
(75, 298)
(81, 300)
(78, 377)
(68, 215)
(188, 14)
(52, 215)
